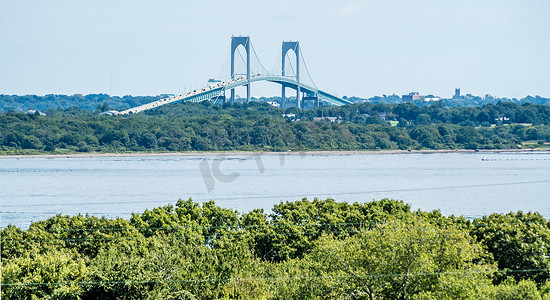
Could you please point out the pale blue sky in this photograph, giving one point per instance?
(353, 48)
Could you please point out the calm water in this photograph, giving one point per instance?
(33, 189)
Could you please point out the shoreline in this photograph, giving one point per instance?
(321, 152)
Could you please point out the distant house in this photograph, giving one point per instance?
(502, 119)
(110, 113)
(331, 119)
(35, 112)
(412, 97)
(383, 116)
(162, 96)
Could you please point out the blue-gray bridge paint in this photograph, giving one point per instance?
(219, 90)
(294, 46)
(237, 41)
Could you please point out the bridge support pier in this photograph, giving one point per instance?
(314, 98)
(237, 41)
(294, 46)
(283, 98)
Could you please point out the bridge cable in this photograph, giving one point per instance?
(307, 71)
(274, 69)
(287, 59)
(290, 62)
(257, 58)
(291, 67)
(240, 54)
(218, 75)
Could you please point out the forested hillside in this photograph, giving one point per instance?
(260, 127)
(411, 114)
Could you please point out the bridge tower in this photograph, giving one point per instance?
(236, 41)
(294, 46)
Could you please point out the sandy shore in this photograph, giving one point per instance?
(366, 152)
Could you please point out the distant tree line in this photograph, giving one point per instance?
(89, 102)
(467, 100)
(260, 127)
(103, 102)
(319, 249)
(411, 114)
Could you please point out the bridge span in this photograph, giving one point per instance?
(217, 91)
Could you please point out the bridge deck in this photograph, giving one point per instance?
(219, 89)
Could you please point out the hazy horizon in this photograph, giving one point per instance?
(352, 48)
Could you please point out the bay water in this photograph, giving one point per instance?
(467, 184)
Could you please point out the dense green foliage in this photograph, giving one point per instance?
(88, 102)
(256, 126)
(467, 100)
(317, 249)
(411, 114)
(103, 102)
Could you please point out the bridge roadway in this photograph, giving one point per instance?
(219, 89)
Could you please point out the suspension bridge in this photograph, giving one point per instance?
(287, 78)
